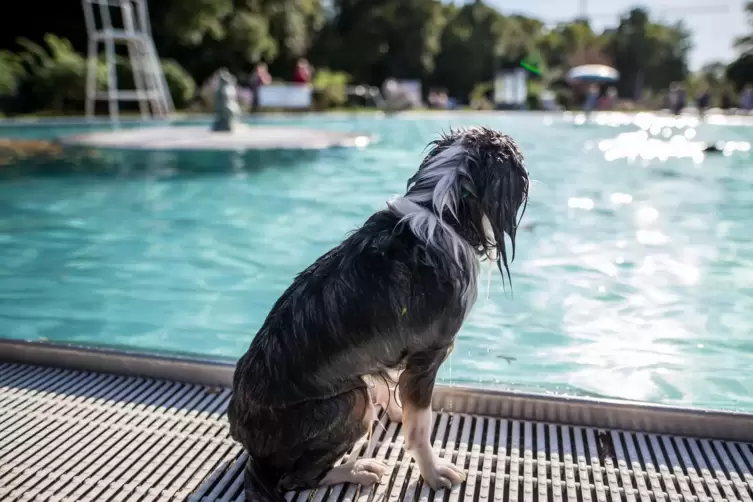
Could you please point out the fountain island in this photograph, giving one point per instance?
(227, 133)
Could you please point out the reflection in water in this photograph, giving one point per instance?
(634, 280)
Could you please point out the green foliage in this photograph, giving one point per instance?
(11, 73)
(648, 55)
(745, 43)
(193, 20)
(181, 85)
(475, 35)
(55, 75)
(564, 97)
(480, 96)
(330, 87)
(205, 35)
(571, 44)
(376, 39)
(534, 90)
(740, 71)
(449, 45)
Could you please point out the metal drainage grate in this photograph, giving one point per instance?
(82, 436)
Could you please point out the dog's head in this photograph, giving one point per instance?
(475, 180)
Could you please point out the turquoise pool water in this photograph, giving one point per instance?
(632, 280)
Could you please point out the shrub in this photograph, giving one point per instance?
(11, 73)
(56, 76)
(479, 98)
(180, 84)
(330, 87)
(564, 97)
(11, 76)
(533, 94)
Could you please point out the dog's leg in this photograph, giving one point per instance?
(416, 388)
(362, 471)
(331, 428)
(386, 395)
(370, 416)
(393, 409)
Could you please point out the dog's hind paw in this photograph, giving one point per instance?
(368, 471)
(364, 471)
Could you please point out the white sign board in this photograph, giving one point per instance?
(510, 87)
(285, 96)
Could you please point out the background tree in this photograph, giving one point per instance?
(740, 71)
(457, 48)
(474, 34)
(376, 39)
(648, 55)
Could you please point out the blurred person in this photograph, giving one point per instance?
(676, 98)
(302, 73)
(612, 97)
(592, 99)
(433, 99)
(746, 98)
(672, 97)
(548, 99)
(259, 77)
(441, 100)
(609, 100)
(726, 101)
(682, 98)
(702, 100)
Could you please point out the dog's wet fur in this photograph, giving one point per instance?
(391, 297)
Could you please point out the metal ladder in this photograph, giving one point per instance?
(151, 91)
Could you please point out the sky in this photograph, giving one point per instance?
(714, 23)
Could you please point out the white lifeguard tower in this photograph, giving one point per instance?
(134, 31)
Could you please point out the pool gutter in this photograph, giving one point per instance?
(577, 411)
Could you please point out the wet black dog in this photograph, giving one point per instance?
(374, 317)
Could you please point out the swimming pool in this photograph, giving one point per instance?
(631, 281)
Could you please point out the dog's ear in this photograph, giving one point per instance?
(503, 185)
(443, 178)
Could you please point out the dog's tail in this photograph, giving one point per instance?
(261, 482)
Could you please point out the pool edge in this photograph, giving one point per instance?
(576, 411)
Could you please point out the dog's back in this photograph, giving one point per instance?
(358, 310)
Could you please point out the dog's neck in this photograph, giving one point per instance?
(441, 202)
(445, 230)
(465, 229)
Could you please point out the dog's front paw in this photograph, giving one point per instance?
(441, 474)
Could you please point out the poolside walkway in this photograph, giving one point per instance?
(70, 435)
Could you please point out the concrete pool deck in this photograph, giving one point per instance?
(93, 425)
(244, 137)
